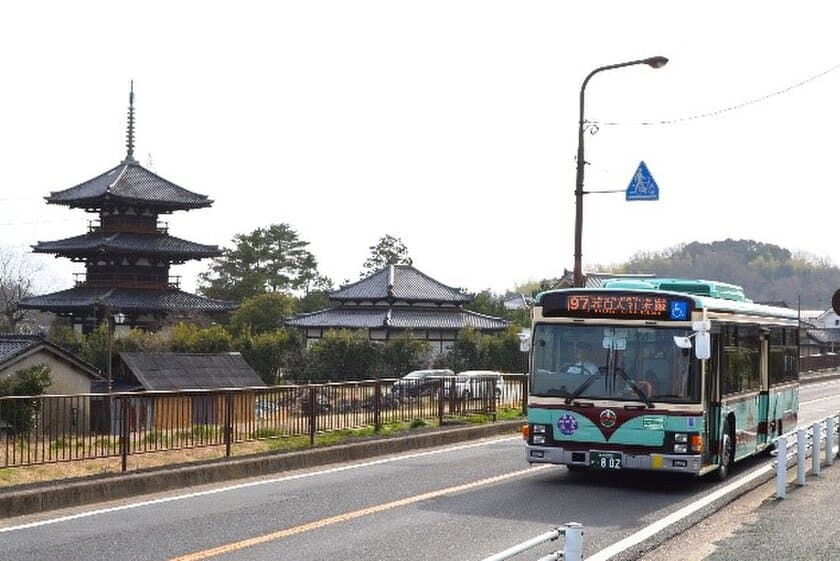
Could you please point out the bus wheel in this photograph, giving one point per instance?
(726, 453)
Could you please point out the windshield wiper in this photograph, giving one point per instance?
(582, 388)
(634, 387)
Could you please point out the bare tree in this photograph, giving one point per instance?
(17, 276)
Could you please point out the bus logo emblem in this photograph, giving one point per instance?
(608, 418)
(567, 424)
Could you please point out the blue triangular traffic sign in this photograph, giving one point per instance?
(642, 187)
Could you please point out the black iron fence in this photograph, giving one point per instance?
(65, 428)
(826, 361)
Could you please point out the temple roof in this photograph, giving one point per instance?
(399, 282)
(125, 300)
(129, 182)
(121, 242)
(399, 317)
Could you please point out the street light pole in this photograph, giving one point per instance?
(653, 62)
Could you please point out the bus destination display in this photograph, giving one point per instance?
(617, 305)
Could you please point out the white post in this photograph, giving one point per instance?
(829, 441)
(573, 550)
(781, 467)
(801, 451)
(815, 451)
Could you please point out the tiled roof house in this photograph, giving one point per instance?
(396, 299)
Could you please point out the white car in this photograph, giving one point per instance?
(477, 384)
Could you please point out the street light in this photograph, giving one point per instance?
(653, 62)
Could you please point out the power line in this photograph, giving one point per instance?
(725, 109)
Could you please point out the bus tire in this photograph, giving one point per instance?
(727, 453)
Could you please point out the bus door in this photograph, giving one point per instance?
(711, 401)
(764, 394)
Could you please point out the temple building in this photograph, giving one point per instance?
(127, 251)
(399, 299)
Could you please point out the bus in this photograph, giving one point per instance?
(672, 375)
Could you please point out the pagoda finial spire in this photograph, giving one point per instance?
(129, 142)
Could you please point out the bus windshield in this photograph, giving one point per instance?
(617, 363)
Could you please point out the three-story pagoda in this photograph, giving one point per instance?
(127, 252)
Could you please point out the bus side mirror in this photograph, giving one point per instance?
(703, 345)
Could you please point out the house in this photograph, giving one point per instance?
(399, 299)
(70, 375)
(187, 374)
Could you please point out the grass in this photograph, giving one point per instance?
(272, 441)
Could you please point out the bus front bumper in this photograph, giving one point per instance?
(681, 463)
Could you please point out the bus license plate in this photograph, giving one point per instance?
(605, 460)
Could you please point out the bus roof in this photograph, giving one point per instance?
(709, 295)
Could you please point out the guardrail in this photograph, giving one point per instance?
(572, 546)
(808, 441)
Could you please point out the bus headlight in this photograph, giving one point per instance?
(680, 448)
(539, 439)
(539, 429)
(680, 437)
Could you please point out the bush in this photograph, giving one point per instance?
(403, 354)
(22, 414)
(344, 355)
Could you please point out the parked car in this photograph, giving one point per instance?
(477, 384)
(418, 382)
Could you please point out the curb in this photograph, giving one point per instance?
(65, 494)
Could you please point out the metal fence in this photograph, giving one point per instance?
(824, 361)
(795, 446)
(572, 547)
(65, 428)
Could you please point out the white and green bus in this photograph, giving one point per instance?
(659, 374)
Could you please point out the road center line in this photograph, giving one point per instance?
(280, 534)
(256, 483)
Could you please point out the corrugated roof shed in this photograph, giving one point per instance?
(183, 371)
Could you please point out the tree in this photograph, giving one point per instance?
(16, 278)
(261, 313)
(272, 354)
(404, 353)
(388, 251)
(22, 414)
(344, 355)
(272, 259)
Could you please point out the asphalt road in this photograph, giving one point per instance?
(463, 502)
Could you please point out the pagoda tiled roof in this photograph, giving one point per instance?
(125, 300)
(399, 317)
(130, 182)
(399, 283)
(121, 242)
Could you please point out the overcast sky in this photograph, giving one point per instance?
(451, 125)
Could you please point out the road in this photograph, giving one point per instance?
(462, 502)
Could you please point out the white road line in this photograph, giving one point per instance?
(254, 484)
(674, 517)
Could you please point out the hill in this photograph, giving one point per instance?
(767, 272)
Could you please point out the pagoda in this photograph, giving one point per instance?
(127, 252)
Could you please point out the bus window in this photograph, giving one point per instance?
(740, 360)
(784, 352)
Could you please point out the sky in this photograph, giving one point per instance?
(451, 125)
